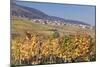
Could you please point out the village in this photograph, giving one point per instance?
(60, 23)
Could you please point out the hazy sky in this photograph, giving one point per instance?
(74, 12)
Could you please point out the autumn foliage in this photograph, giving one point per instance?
(56, 49)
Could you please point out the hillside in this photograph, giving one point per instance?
(32, 13)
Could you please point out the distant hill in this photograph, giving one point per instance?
(32, 13)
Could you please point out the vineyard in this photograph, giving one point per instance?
(50, 49)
